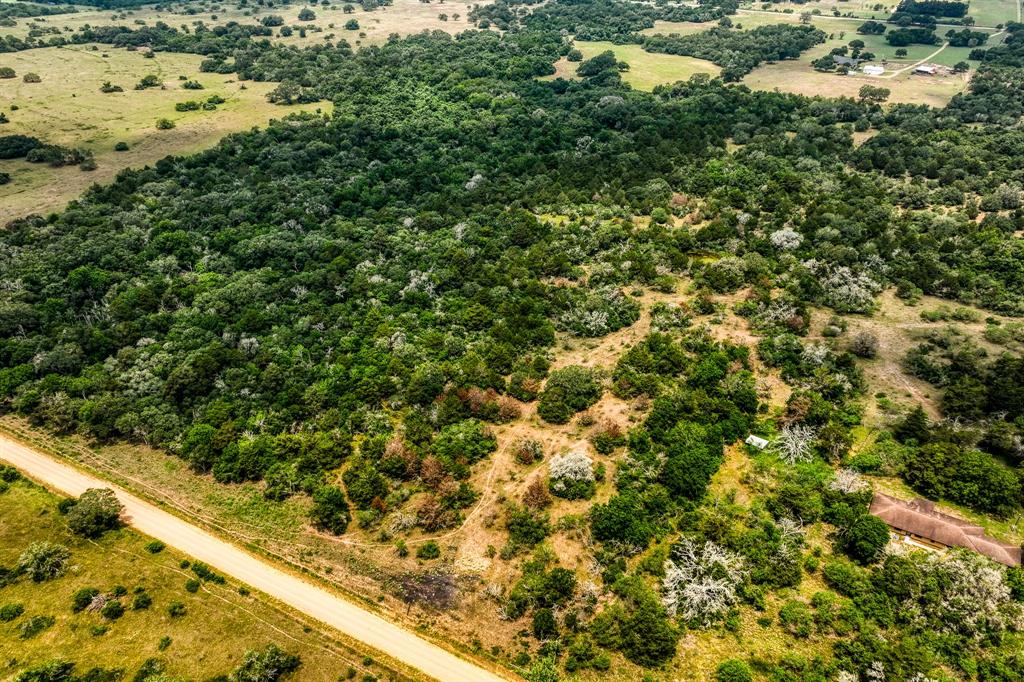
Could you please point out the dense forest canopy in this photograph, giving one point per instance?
(366, 292)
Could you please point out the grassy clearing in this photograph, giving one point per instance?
(985, 12)
(68, 108)
(799, 77)
(994, 12)
(403, 17)
(866, 9)
(647, 69)
(219, 625)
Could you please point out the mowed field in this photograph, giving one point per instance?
(403, 17)
(220, 622)
(647, 69)
(67, 108)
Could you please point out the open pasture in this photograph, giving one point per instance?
(647, 69)
(214, 627)
(403, 17)
(67, 108)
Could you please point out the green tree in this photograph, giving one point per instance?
(330, 510)
(95, 512)
(866, 538)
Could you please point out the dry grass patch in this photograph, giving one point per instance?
(404, 17)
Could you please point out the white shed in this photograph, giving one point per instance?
(756, 441)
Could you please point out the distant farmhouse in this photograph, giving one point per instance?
(840, 60)
(917, 523)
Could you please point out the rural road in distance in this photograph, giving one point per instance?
(313, 600)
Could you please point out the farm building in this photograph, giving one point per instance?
(756, 441)
(918, 523)
(874, 70)
(840, 60)
(926, 70)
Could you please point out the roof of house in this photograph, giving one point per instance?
(756, 441)
(845, 61)
(919, 517)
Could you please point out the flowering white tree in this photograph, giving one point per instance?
(848, 291)
(786, 239)
(848, 481)
(815, 354)
(976, 599)
(574, 465)
(794, 443)
(701, 580)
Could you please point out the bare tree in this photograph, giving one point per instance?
(794, 443)
(700, 581)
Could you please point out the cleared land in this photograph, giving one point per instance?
(67, 108)
(218, 626)
(985, 12)
(646, 69)
(307, 597)
(403, 17)
(800, 77)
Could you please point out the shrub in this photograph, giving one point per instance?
(351, 25)
(112, 610)
(31, 78)
(44, 561)
(96, 511)
(544, 625)
(148, 81)
(51, 671)
(267, 665)
(527, 451)
(16, 147)
(733, 670)
(428, 550)
(568, 390)
(155, 547)
(7, 72)
(864, 344)
(306, 14)
(9, 612)
(34, 625)
(82, 598)
(176, 609)
(526, 528)
(164, 124)
(142, 601)
(192, 585)
(204, 572)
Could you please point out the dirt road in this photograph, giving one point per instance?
(309, 598)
